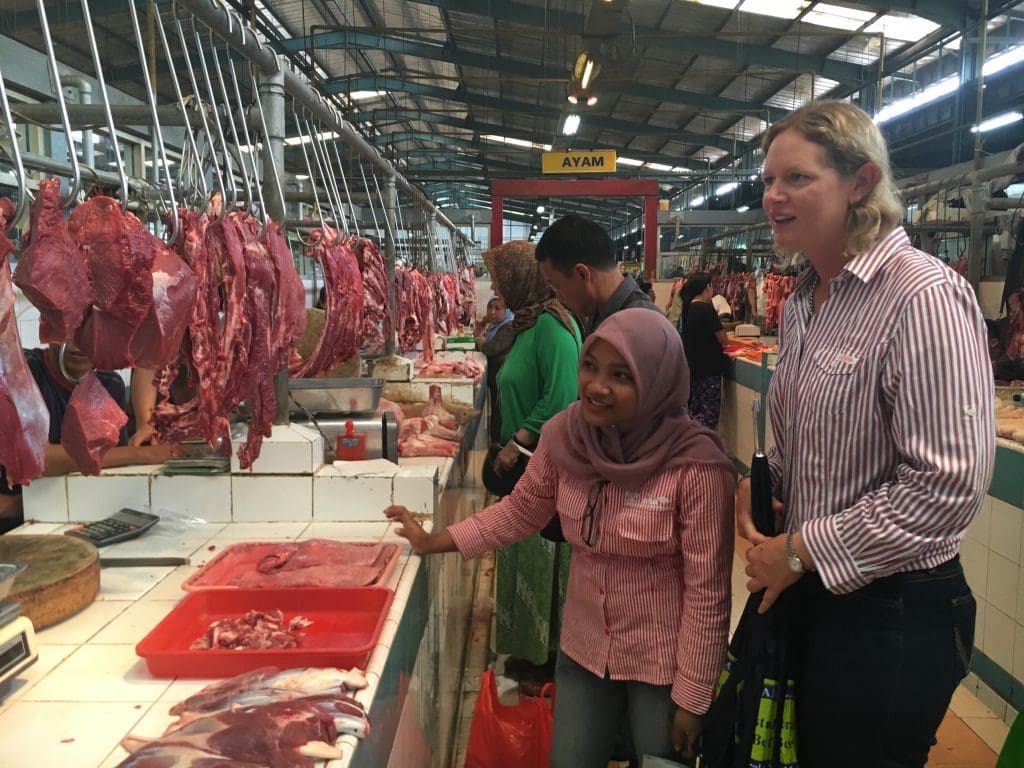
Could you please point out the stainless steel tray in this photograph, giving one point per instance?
(336, 395)
(7, 573)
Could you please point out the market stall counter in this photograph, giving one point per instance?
(88, 688)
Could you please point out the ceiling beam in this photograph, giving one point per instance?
(757, 55)
(349, 38)
(379, 83)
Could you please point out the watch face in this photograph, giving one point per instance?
(795, 564)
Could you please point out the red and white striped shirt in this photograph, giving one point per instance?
(649, 600)
(882, 409)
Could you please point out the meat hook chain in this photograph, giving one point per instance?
(229, 174)
(244, 120)
(218, 177)
(76, 169)
(324, 168)
(348, 194)
(19, 168)
(91, 34)
(228, 113)
(157, 130)
(369, 197)
(323, 160)
(313, 183)
(189, 135)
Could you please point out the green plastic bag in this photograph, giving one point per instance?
(1012, 753)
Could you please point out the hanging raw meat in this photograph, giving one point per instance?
(24, 419)
(467, 288)
(92, 424)
(343, 323)
(289, 298)
(119, 253)
(157, 341)
(415, 312)
(376, 301)
(52, 269)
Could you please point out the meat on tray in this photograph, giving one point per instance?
(261, 685)
(317, 563)
(256, 629)
(260, 718)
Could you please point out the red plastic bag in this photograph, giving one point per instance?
(518, 736)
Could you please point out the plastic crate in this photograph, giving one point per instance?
(345, 628)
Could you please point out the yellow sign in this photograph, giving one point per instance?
(594, 161)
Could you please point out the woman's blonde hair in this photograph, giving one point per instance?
(850, 139)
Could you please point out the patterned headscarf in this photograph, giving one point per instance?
(516, 276)
(661, 434)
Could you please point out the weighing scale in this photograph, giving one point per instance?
(17, 644)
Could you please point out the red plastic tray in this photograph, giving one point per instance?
(345, 628)
(241, 558)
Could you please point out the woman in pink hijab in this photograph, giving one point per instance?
(645, 496)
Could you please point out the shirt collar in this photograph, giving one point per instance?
(867, 265)
(615, 302)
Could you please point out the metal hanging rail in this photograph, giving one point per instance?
(230, 28)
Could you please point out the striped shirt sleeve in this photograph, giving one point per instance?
(939, 387)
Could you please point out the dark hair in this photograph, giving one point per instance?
(575, 240)
(695, 286)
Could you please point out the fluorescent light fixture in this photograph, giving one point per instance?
(572, 98)
(572, 123)
(682, 169)
(540, 209)
(514, 142)
(301, 177)
(150, 163)
(726, 188)
(697, 201)
(659, 167)
(588, 72)
(1003, 60)
(591, 101)
(628, 161)
(999, 121)
(363, 95)
(743, 209)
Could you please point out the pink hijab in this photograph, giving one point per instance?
(661, 434)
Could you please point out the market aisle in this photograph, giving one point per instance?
(970, 735)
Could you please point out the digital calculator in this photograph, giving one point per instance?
(126, 524)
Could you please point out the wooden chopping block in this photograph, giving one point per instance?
(62, 577)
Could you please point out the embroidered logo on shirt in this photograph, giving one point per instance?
(660, 503)
(847, 359)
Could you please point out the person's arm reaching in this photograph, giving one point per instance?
(143, 401)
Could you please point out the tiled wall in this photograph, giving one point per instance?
(993, 558)
(327, 495)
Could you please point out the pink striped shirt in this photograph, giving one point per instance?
(882, 409)
(650, 600)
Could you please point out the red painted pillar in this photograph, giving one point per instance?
(651, 236)
(497, 211)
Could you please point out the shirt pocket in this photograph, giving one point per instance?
(836, 373)
(644, 527)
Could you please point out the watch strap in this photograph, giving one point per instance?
(792, 554)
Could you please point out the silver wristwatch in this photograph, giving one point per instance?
(792, 558)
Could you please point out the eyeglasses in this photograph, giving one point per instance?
(588, 529)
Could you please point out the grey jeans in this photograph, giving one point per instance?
(589, 711)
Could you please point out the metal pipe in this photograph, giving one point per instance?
(86, 115)
(228, 26)
(390, 206)
(979, 193)
(105, 103)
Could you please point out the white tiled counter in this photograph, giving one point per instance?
(88, 689)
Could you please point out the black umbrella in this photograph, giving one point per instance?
(752, 721)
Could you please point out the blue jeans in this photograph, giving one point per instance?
(590, 709)
(879, 666)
